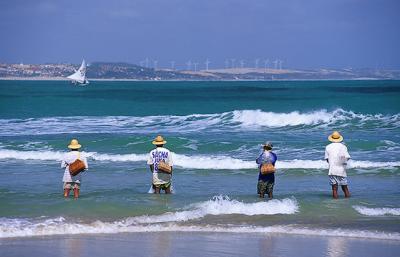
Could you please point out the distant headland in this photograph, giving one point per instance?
(126, 71)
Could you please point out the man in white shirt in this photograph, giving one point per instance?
(161, 179)
(336, 155)
(72, 182)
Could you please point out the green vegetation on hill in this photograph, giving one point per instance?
(107, 70)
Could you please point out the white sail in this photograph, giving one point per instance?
(80, 75)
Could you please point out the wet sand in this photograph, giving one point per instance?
(196, 245)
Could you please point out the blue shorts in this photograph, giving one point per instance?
(337, 180)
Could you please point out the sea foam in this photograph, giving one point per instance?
(218, 205)
(249, 118)
(221, 205)
(238, 120)
(58, 226)
(209, 162)
(377, 211)
(178, 222)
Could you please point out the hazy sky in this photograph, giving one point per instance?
(302, 33)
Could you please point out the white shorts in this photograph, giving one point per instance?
(337, 180)
(72, 185)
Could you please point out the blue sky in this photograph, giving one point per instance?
(303, 33)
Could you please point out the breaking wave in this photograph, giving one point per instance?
(210, 162)
(23, 228)
(238, 119)
(218, 205)
(377, 211)
(221, 205)
(177, 222)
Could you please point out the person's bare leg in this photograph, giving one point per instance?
(334, 191)
(260, 191)
(346, 191)
(270, 195)
(156, 190)
(76, 193)
(66, 193)
(168, 190)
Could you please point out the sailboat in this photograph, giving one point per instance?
(79, 77)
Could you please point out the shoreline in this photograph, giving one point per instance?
(196, 244)
(185, 80)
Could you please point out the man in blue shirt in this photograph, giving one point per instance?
(266, 181)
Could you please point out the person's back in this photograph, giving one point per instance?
(264, 158)
(266, 182)
(72, 182)
(161, 154)
(336, 155)
(161, 179)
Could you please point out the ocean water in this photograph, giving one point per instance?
(215, 130)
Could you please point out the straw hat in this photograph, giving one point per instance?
(159, 140)
(335, 137)
(268, 145)
(74, 144)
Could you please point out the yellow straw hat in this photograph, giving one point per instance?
(159, 140)
(74, 144)
(335, 137)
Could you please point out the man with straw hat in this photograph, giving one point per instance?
(158, 158)
(72, 182)
(336, 155)
(266, 178)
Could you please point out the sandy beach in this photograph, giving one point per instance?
(196, 245)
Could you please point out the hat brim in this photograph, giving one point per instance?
(335, 140)
(74, 146)
(159, 143)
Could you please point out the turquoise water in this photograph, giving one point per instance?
(215, 130)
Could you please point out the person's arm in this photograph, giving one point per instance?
(150, 163)
(63, 163)
(86, 163)
(170, 161)
(274, 158)
(260, 158)
(326, 156)
(346, 154)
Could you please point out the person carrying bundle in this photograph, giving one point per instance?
(266, 166)
(160, 163)
(74, 163)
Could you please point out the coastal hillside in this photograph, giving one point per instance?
(122, 71)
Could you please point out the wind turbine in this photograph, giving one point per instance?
(172, 65)
(207, 63)
(256, 63)
(189, 65)
(195, 66)
(266, 65)
(276, 64)
(242, 64)
(233, 62)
